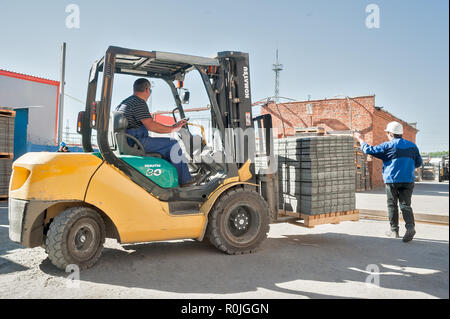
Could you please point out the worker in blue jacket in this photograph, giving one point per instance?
(400, 157)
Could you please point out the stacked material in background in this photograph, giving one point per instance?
(362, 177)
(5, 175)
(6, 131)
(316, 174)
(309, 131)
(7, 117)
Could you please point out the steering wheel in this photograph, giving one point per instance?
(185, 125)
(175, 118)
(184, 133)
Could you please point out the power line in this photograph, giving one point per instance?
(74, 98)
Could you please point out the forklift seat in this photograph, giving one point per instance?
(120, 123)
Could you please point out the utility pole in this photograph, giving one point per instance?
(349, 103)
(277, 68)
(61, 93)
(67, 132)
(152, 84)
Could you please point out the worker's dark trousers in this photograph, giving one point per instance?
(164, 146)
(400, 193)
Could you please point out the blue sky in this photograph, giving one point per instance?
(325, 47)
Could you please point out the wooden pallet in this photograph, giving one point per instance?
(318, 129)
(5, 112)
(310, 221)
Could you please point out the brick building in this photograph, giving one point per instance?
(342, 114)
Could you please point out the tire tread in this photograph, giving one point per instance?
(212, 232)
(55, 239)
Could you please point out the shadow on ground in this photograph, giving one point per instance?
(188, 267)
(431, 189)
(6, 265)
(422, 188)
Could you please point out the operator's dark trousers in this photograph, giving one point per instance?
(163, 146)
(400, 193)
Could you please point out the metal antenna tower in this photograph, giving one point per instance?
(277, 67)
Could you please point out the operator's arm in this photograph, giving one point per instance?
(418, 160)
(156, 127)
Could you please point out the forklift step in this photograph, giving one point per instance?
(183, 208)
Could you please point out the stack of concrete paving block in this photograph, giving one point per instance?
(5, 175)
(316, 174)
(362, 176)
(7, 117)
(6, 131)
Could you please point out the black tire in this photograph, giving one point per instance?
(239, 221)
(76, 236)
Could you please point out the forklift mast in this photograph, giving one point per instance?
(235, 98)
(231, 85)
(233, 93)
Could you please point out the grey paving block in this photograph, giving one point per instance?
(6, 134)
(5, 174)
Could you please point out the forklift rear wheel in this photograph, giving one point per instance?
(76, 236)
(239, 221)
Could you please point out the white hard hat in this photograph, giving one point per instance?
(394, 127)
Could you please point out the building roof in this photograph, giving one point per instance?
(389, 116)
(330, 99)
(28, 77)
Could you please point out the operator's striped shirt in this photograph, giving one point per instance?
(135, 109)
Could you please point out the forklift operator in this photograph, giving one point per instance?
(135, 109)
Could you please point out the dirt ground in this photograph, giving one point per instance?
(329, 261)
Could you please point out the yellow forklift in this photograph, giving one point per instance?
(69, 203)
(443, 168)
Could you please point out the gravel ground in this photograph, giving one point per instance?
(329, 261)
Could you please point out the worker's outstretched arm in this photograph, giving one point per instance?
(156, 127)
(418, 160)
(378, 151)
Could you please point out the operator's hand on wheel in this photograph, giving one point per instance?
(179, 125)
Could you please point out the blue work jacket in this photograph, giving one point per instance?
(400, 157)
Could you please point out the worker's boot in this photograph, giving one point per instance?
(409, 235)
(393, 233)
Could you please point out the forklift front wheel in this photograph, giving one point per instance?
(239, 221)
(76, 236)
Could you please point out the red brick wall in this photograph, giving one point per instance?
(358, 113)
(333, 114)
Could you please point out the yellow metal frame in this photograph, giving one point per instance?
(140, 217)
(52, 176)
